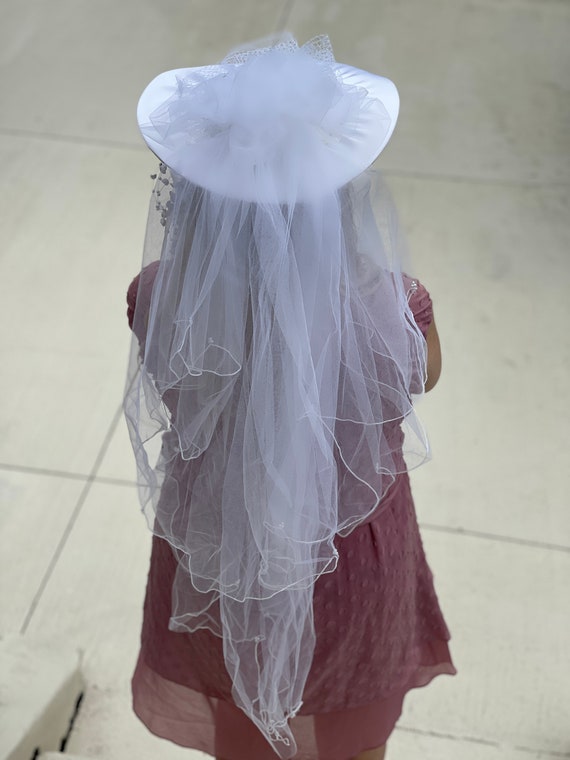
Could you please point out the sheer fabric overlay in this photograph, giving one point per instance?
(269, 404)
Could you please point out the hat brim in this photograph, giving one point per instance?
(369, 136)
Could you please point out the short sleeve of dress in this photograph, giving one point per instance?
(420, 303)
(139, 294)
(132, 299)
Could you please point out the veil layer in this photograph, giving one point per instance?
(269, 404)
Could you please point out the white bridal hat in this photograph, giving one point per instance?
(296, 127)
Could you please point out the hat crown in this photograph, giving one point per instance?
(262, 104)
(272, 123)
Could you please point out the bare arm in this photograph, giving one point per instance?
(433, 357)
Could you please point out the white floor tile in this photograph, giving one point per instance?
(411, 745)
(482, 84)
(107, 728)
(94, 602)
(119, 459)
(495, 260)
(60, 414)
(34, 513)
(507, 611)
(95, 595)
(41, 684)
(71, 243)
(70, 246)
(100, 56)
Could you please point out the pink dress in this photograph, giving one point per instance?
(379, 628)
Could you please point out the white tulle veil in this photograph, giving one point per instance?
(274, 359)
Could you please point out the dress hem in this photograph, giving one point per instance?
(194, 720)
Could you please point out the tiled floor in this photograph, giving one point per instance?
(479, 166)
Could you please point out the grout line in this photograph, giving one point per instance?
(72, 520)
(478, 740)
(124, 482)
(451, 737)
(67, 475)
(44, 471)
(496, 537)
(394, 173)
(115, 481)
(53, 137)
(461, 179)
(541, 752)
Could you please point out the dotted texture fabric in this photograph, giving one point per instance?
(380, 632)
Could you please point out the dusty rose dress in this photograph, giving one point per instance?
(380, 633)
